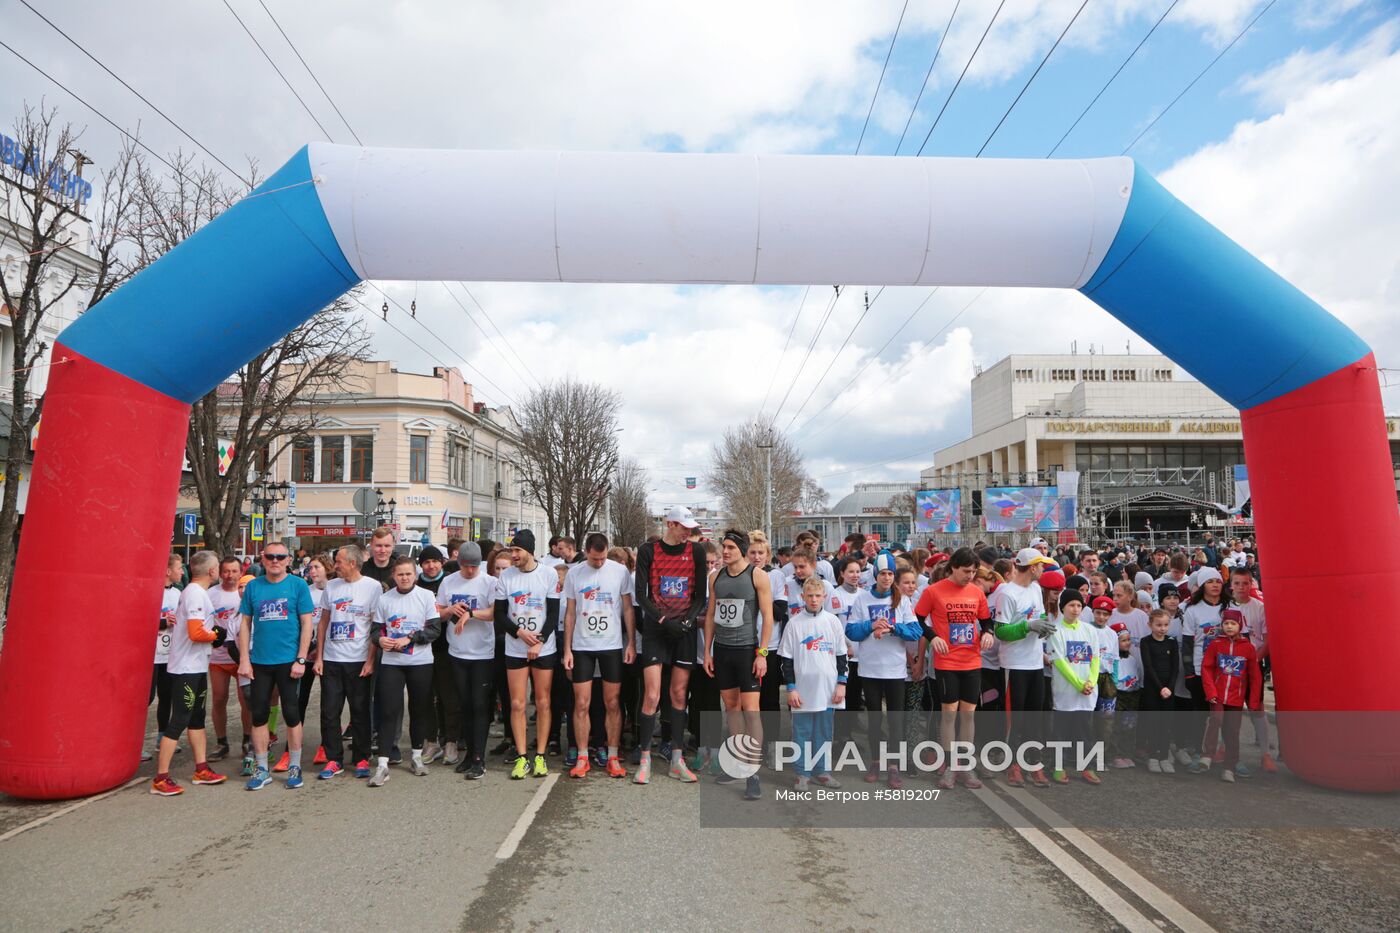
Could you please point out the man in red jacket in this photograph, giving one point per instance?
(1232, 680)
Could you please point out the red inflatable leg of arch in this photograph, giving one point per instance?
(1325, 510)
(85, 550)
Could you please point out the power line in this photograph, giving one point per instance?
(1112, 78)
(77, 45)
(484, 334)
(920, 96)
(1027, 85)
(831, 305)
(869, 303)
(773, 376)
(324, 131)
(504, 339)
(958, 83)
(308, 71)
(876, 95)
(1199, 76)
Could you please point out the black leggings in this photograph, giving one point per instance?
(266, 678)
(1027, 693)
(1190, 721)
(473, 680)
(160, 686)
(1154, 723)
(888, 691)
(187, 705)
(418, 678)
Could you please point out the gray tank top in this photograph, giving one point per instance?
(736, 608)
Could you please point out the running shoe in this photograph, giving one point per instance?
(418, 768)
(615, 769)
(700, 761)
(502, 747)
(1014, 777)
(282, 763)
(320, 758)
(664, 751)
(680, 772)
(599, 756)
(464, 764)
(1167, 766)
(571, 757)
(1154, 766)
(635, 755)
(1267, 764)
(541, 769)
(895, 781)
(1199, 765)
(166, 787)
(581, 768)
(1183, 757)
(332, 769)
(1124, 763)
(753, 789)
(380, 776)
(146, 754)
(716, 768)
(1061, 777)
(552, 749)
(1227, 776)
(521, 769)
(726, 778)
(259, 780)
(208, 776)
(946, 779)
(362, 768)
(220, 752)
(872, 775)
(643, 775)
(248, 764)
(1090, 777)
(827, 781)
(801, 783)
(294, 777)
(1038, 778)
(1242, 770)
(451, 755)
(476, 772)
(395, 756)
(432, 751)
(970, 780)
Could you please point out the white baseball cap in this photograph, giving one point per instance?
(681, 514)
(1029, 557)
(1039, 543)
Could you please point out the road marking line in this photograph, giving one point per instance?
(68, 809)
(1108, 899)
(508, 847)
(1160, 900)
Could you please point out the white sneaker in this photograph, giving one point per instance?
(450, 755)
(1154, 766)
(379, 777)
(801, 783)
(418, 768)
(146, 754)
(1183, 756)
(1227, 776)
(432, 752)
(1168, 767)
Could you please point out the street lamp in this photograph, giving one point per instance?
(263, 496)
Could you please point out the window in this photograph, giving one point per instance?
(882, 529)
(262, 461)
(1093, 375)
(1062, 375)
(418, 458)
(303, 460)
(1162, 375)
(458, 462)
(333, 459)
(1025, 375)
(361, 458)
(1125, 375)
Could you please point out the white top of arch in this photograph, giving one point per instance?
(429, 214)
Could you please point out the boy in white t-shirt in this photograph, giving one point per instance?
(1073, 650)
(813, 658)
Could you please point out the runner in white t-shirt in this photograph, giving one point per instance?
(187, 663)
(599, 633)
(527, 611)
(1022, 624)
(406, 623)
(160, 677)
(347, 660)
(466, 601)
(223, 667)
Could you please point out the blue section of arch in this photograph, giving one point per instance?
(224, 295)
(1201, 299)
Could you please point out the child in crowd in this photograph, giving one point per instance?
(1143, 582)
(1231, 678)
(1107, 648)
(1126, 610)
(1073, 649)
(1160, 656)
(843, 600)
(1127, 680)
(813, 658)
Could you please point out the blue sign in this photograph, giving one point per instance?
(190, 523)
(58, 179)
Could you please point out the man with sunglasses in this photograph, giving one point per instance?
(280, 607)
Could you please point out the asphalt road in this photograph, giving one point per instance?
(423, 853)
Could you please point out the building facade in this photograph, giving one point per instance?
(444, 465)
(872, 509)
(1148, 452)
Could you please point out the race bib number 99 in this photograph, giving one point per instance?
(729, 613)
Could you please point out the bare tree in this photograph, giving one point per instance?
(903, 504)
(737, 465)
(568, 451)
(52, 252)
(631, 516)
(275, 396)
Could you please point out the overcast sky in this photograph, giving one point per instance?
(1288, 144)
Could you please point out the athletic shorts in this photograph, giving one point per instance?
(230, 670)
(960, 686)
(266, 678)
(542, 663)
(187, 693)
(608, 663)
(734, 668)
(672, 644)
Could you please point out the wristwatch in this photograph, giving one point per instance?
(301, 661)
(761, 652)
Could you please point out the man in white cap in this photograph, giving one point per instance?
(1041, 545)
(671, 593)
(1021, 624)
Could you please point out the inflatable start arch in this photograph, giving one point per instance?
(76, 666)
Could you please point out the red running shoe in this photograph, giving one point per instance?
(615, 768)
(320, 758)
(282, 762)
(208, 776)
(896, 782)
(1014, 777)
(1038, 778)
(580, 768)
(165, 787)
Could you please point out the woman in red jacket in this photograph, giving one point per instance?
(1232, 680)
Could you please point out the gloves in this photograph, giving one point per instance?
(222, 636)
(678, 627)
(1042, 626)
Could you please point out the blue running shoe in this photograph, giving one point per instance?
(600, 757)
(362, 768)
(571, 758)
(664, 752)
(294, 777)
(260, 779)
(1242, 771)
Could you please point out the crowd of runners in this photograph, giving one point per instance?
(502, 659)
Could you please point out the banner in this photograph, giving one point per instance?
(1241, 487)
(938, 511)
(1021, 508)
(1068, 480)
